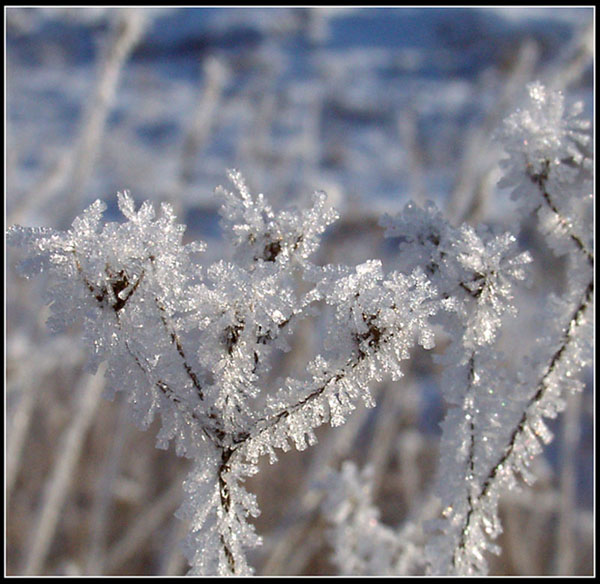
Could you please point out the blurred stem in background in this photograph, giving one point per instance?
(56, 489)
(61, 189)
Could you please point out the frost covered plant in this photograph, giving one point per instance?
(195, 344)
(494, 425)
(549, 167)
(479, 271)
(361, 543)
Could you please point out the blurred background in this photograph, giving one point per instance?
(373, 106)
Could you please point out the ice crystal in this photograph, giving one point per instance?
(495, 427)
(549, 167)
(194, 344)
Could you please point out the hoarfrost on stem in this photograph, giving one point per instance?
(196, 344)
(494, 425)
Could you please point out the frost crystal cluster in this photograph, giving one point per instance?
(494, 425)
(195, 344)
